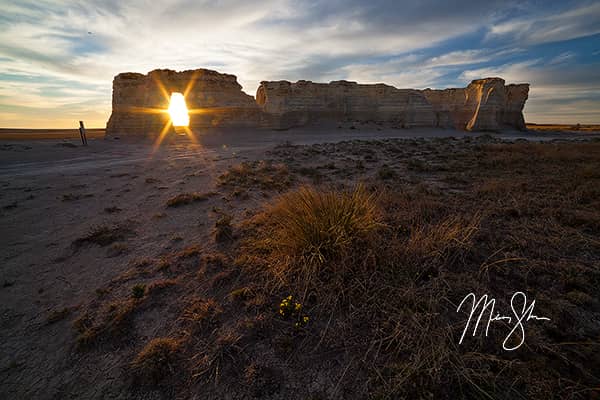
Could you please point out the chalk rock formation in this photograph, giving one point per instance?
(288, 104)
(217, 100)
(140, 101)
(486, 104)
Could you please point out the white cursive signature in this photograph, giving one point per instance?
(488, 304)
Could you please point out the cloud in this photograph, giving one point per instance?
(535, 29)
(563, 58)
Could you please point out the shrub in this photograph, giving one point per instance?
(138, 291)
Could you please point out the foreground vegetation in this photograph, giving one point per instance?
(346, 282)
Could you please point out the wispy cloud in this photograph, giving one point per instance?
(548, 26)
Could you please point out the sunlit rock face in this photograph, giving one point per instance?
(289, 104)
(486, 104)
(140, 102)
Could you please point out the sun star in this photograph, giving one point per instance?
(178, 110)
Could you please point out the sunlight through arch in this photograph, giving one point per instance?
(178, 110)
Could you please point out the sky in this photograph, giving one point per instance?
(58, 57)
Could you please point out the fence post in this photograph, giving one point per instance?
(82, 133)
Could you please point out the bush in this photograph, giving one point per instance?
(138, 291)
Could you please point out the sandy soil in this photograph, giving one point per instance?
(55, 191)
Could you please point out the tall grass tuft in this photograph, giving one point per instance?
(315, 227)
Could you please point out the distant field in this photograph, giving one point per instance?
(12, 134)
(564, 128)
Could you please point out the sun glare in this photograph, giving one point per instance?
(178, 110)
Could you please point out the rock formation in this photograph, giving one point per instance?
(288, 104)
(217, 100)
(486, 104)
(140, 101)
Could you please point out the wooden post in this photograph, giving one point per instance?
(82, 133)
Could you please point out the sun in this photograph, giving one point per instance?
(178, 110)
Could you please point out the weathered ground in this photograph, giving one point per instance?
(106, 248)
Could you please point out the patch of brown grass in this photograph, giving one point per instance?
(262, 174)
(313, 226)
(442, 240)
(159, 286)
(113, 322)
(103, 235)
(187, 198)
(223, 230)
(157, 360)
(200, 313)
(220, 358)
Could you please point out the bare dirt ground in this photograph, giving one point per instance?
(82, 227)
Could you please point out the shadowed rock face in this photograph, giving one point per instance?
(214, 99)
(217, 100)
(296, 104)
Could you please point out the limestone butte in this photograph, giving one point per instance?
(296, 104)
(217, 100)
(214, 99)
(486, 104)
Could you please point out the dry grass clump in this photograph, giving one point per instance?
(313, 227)
(103, 235)
(157, 360)
(259, 174)
(159, 286)
(223, 230)
(441, 240)
(112, 323)
(200, 313)
(187, 198)
(221, 357)
(314, 239)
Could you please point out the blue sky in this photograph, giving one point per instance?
(54, 73)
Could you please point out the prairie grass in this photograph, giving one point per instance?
(314, 226)
(187, 198)
(103, 235)
(379, 270)
(157, 360)
(262, 174)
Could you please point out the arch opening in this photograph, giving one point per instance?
(178, 110)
